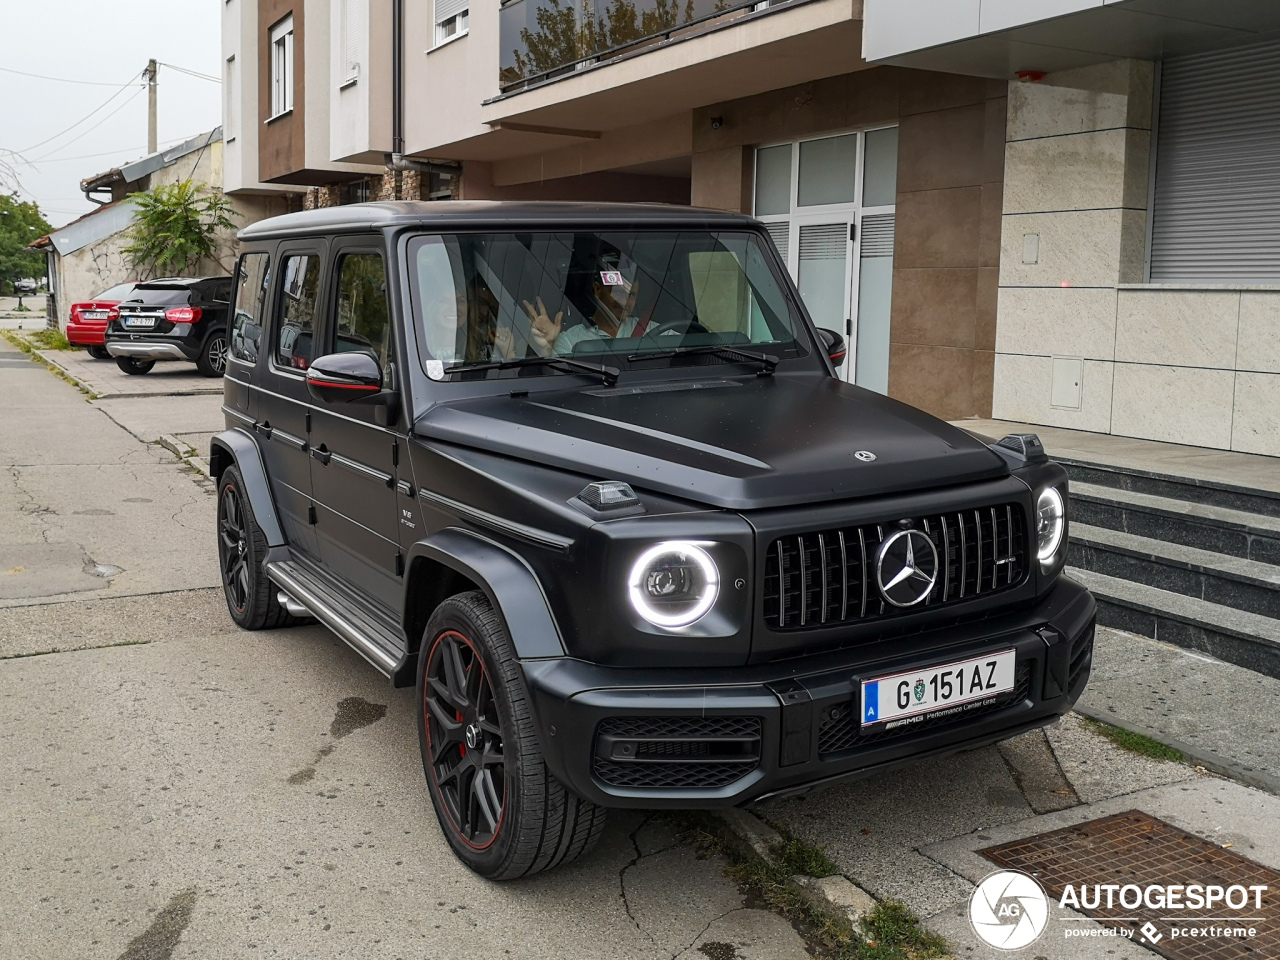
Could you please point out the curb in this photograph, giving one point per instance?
(179, 450)
(1197, 756)
(49, 361)
(836, 895)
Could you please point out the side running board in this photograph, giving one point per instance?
(362, 632)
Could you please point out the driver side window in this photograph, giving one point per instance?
(362, 321)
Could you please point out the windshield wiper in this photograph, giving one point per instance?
(607, 374)
(767, 361)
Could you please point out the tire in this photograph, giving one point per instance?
(212, 361)
(538, 824)
(242, 548)
(135, 368)
(99, 353)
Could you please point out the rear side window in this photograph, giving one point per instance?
(363, 322)
(296, 313)
(253, 278)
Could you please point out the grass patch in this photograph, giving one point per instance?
(51, 339)
(891, 932)
(1135, 742)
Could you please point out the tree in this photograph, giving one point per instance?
(176, 227)
(20, 223)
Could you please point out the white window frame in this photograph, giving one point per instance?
(231, 101)
(349, 43)
(282, 67)
(452, 21)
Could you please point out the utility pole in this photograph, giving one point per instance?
(150, 74)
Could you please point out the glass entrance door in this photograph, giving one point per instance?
(829, 205)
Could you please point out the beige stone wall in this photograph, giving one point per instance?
(1190, 364)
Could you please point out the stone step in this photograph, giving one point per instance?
(1227, 580)
(1237, 533)
(1245, 639)
(1176, 486)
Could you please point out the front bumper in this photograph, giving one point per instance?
(804, 710)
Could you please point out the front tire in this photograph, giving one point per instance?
(242, 550)
(503, 812)
(212, 361)
(135, 368)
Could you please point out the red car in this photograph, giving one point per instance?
(88, 321)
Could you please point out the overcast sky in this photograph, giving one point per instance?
(107, 43)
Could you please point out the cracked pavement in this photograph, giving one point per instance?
(149, 769)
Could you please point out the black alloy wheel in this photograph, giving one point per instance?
(213, 356)
(502, 811)
(233, 549)
(252, 599)
(464, 740)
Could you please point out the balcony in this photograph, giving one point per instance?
(545, 39)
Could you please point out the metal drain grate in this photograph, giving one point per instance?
(1135, 848)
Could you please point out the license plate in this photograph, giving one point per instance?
(953, 687)
(139, 322)
(95, 314)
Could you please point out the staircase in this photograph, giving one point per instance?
(1183, 560)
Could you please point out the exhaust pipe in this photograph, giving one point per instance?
(292, 606)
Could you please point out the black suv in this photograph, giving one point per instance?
(585, 477)
(172, 319)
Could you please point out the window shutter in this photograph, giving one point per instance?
(780, 232)
(351, 10)
(450, 8)
(1216, 210)
(823, 241)
(877, 236)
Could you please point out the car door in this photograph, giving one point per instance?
(354, 457)
(284, 417)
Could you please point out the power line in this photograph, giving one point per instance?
(171, 141)
(38, 76)
(123, 88)
(192, 73)
(85, 133)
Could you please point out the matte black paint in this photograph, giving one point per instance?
(481, 477)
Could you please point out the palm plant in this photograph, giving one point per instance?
(176, 227)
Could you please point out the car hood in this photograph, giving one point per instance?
(735, 443)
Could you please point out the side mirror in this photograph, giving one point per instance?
(343, 377)
(834, 342)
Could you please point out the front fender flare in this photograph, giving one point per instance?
(238, 447)
(508, 582)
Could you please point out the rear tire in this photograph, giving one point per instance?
(212, 361)
(135, 368)
(242, 550)
(503, 812)
(99, 353)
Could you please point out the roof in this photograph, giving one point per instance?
(130, 172)
(95, 225)
(502, 214)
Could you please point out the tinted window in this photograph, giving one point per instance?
(362, 319)
(296, 313)
(160, 296)
(118, 292)
(250, 307)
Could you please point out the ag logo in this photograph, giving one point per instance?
(1009, 910)
(919, 690)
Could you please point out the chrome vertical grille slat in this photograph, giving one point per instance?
(801, 570)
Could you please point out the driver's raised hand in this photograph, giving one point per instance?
(543, 330)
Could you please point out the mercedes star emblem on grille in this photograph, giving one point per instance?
(906, 568)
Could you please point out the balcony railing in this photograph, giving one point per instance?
(543, 39)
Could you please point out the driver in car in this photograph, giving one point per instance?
(614, 298)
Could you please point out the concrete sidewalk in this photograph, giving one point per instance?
(105, 379)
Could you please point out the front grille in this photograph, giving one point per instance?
(673, 753)
(840, 730)
(826, 578)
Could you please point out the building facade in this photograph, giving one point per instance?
(978, 236)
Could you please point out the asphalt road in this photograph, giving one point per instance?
(165, 782)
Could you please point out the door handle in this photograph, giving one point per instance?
(321, 454)
(263, 428)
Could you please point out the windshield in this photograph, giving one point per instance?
(118, 292)
(626, 299)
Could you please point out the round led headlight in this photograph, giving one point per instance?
(1050, 520)
(673, 584)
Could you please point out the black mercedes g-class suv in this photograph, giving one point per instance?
(583, 475)
(172, 319)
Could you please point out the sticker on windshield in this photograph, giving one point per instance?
(612, 278)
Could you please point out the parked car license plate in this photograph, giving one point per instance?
(95, 314)
(908, 697)
(139, 321)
